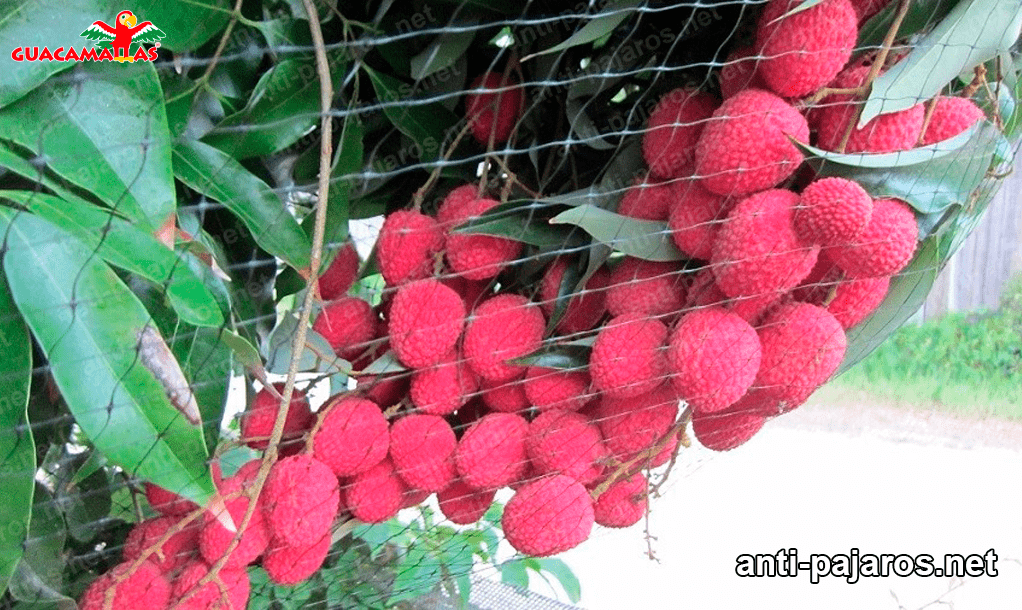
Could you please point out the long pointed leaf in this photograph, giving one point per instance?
(646, 239)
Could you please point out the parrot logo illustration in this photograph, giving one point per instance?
(124, 33)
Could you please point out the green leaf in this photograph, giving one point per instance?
(443, 51)
(417, 574)
(518, 220)
(921, 14)
(105, 132)
(425, 124)
(562, 356)
(39, 576)
(85, 505)
(564, 575)
(220, 177)
(248, 356)
(598, 26)
(645, 239)
(513, 572)
(17, 448)
(123, 245)
(188, 25)
(974, 31)
(90, 326)
(317, 355)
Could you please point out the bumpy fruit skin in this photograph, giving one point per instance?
(884, 134)
(422, 451)
(426, 318)
(757, 251)
(169, 556)
(463, 505)
(745, 146)
(714, 355)
(476, 256)
(209, 596)
(491, 454)
(832, 211)
(290, 565)
(341, 273)
(548, 516)
(504, 327)
(631, 425)
(730, 428)
(146, 587)
(557, 389)
(384, 390)
(348, 324)
(257, 421)
(703, 291)
(695, 218)
(647, 200)
(375, 495)
(455, 207)
(884, 247)
(645, 287)
(802, 52)
(300, 500)
(674, 128)
(408, 243)
(505, 396)
(849, 299)
(353, 436)
(214, 537)
(168, 503)
(623, 503)
(585, 309)
(740, 72)
(952, 116)
(494, 113)
(561, 442)
(444, 387)
(628, 356)
(802, 347)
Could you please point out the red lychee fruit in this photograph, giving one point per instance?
(585, 308)
(168, 503)
(353, 436)
(647, 200)
(290, 565)
(703, 291)
(714, 355)
(384, 390)
(454, 208)
(951, 116)
(803, 51)
(348, 324)
(884, 247)
(463, 505)
(300, 500)
(444, 387)
(548, 516)
(170, 555)
(557, 389)
(628, 356)
(865, 9)
(631, 425)
(740, 72)
(503, 327)
(803, 345)
(752, 309)
(476, 256)
(695, 219)
(145, 586)
(491, 454)
(561, 442)
(644, 287)
(209, 596)
(623, 503)
(673, 130)
(214, 539)
(727, 429)
(493, 113)
(408, 244)
(257, 421)
(341, 273)
(375, 495)
(425, 322)
(849, 299)
(884, 134)
(472, 292)
(422, 451)
(505, 396)
(757, 251)
(745, 146)
(832, 211)
(414, 497)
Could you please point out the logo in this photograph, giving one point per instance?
(114, 43)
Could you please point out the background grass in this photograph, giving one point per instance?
(962, 362)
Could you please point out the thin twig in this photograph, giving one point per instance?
(204, 79)
(419, 194)
(628, 468)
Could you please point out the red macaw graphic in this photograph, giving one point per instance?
(124, 33)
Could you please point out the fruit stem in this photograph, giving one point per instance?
(421, 193)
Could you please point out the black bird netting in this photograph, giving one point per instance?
(559, 246)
